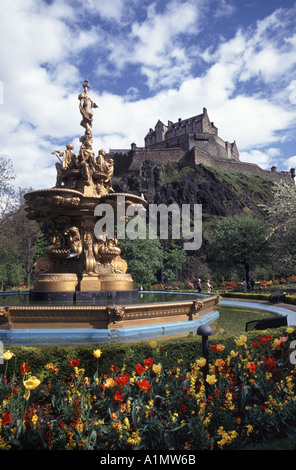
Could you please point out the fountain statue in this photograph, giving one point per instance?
(77, 265)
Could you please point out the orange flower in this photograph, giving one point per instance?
(217, 347)
(251, 366)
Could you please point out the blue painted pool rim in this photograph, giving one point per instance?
(56, 337)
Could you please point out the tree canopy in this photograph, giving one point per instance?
(240, 241)
(281, 216)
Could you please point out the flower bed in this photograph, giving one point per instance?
(247, 394)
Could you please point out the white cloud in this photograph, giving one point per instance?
(290, 163)
(265, 159)
(224, 9)
(155, 43)
(42, 73)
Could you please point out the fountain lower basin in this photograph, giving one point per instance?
(54, 324)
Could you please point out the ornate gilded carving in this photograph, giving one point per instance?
(197, 305)
(64, 242)
(90, 261)
(116, 314)
(68, 161)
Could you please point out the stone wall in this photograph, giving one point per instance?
(196, 157)
(133, 162)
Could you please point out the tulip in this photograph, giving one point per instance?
(241, 341)
(211, 379)
(8, 355)
(30, 384)
(97, 353)
(110, 383)
(156, 368)
(201, 362)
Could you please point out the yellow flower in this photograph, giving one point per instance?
(30, 384)
(110, 383)
(156, 368)
(97, 353)
(201, 362)
(289, 330)
(79, 427)
(233, 353)
(241, 341)
(153, 344)
(249, 429)
(8, 355)
(277, 343)
(211, 379)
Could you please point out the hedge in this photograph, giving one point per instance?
(187, 349)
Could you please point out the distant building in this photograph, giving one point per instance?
(190, 142)
(196, 131)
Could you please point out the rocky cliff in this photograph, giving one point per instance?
(221, 193)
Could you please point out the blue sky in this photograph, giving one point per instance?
(145, 61)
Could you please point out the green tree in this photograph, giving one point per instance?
(240, 241)
(174, 256)
(18, 234)
(281, 215)
(144, 259)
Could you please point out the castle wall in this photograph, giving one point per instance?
(133, 160)
(156, 156)
(196, 157)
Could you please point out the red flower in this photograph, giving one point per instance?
(252, 366)
(269, 362)
(74, 362)
(254, 344)
(140, 369)
(148, 362)
(264, 339)
(6, 418)
(144, 384)
(24, 368)
(118, 397)
(122, 379)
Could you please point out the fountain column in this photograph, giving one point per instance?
(76, 263)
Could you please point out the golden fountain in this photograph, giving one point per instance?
(76, 265)
(79, 269)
